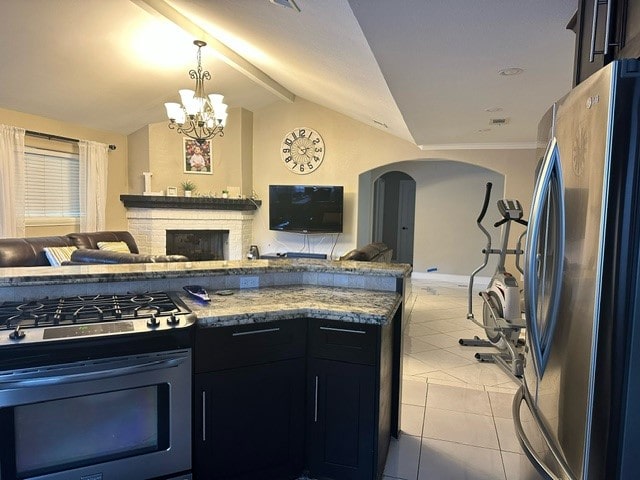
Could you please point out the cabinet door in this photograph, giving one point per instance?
(249, 422)
(630, 34)
(590, 37)
(341, 425)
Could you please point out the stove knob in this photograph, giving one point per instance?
(173, 320)
(17, 334)
(153, 321)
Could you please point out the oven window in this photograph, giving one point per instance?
(72, 432)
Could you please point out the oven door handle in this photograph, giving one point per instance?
(61, 376)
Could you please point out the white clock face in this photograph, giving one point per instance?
(302, 150)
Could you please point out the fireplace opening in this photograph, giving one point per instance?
(198, 244)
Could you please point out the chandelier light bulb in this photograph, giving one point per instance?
(200, 117)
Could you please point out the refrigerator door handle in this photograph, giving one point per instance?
(528, 449)
(541, 340)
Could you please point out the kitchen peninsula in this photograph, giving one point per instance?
(299, 372)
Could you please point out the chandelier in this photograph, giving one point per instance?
(200, 117)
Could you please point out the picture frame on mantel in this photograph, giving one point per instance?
(196, 157)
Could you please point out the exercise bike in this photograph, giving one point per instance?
(501, 311)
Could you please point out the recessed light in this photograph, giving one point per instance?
(493, 109)
(510, 71)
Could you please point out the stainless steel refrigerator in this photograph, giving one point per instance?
(577, 414)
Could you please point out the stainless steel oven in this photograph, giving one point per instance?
(107, 397)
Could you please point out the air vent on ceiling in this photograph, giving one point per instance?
(287, 4)
(498, 121)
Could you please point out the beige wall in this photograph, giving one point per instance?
(117, 181)
(352, 149)
(248, 156)
(157, 149)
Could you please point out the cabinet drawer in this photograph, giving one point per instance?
(344, 341)
(219, 348)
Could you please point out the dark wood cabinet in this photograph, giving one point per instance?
(249, 399)
(605, 30)
(274, 399)
(250, 422)
(349, 398)
(341, 426)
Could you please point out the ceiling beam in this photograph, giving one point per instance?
(230, 57)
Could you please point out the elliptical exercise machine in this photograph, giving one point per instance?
(501, 312)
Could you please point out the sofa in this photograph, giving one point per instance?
(30, 252)
(372, 252)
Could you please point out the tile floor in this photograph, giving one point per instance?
(456, 412)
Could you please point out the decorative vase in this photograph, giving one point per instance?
(225, 195)
(187, 193)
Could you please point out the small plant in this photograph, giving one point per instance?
(188, 186)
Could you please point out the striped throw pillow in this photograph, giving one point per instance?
(58, 255)
(121, 247)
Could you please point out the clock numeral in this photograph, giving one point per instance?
(302, 168)
(286, 150)
(316, 141)
(288, 141)
(301, 132)
(288, 159)
(316, 159)
(310, 165)
(293, 134)
(318, 149)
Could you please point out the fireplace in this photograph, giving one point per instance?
(198, 244)
(149, 220)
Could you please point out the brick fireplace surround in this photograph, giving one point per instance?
(149, 218)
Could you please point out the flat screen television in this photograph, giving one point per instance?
(305, 208)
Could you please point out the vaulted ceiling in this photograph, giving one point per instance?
(424, 70)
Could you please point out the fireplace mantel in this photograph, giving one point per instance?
(196, 203)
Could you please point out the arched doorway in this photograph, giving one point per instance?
(394, 200)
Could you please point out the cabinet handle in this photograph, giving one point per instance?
(204, 415)
(345, 330)
(594, 28)
(253, 332)
(315, 405)
(607, 28)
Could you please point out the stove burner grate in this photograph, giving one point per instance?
(86, 309)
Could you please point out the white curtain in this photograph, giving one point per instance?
(94, 159)
(11, 181)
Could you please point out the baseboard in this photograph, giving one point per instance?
(478, 282)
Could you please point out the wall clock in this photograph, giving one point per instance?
(302, 150)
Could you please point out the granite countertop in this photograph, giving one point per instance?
(72, 274)
(258, 305)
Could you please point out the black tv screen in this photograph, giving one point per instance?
(305, 208)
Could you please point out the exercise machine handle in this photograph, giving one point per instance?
(505, 220)
(485, 205)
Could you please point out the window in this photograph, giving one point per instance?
(51, 186)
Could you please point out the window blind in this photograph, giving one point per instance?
(51, 184)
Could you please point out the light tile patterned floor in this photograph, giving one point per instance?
(456, 412)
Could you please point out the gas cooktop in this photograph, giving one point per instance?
(92, 315)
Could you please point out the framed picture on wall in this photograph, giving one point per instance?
(197, 156)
